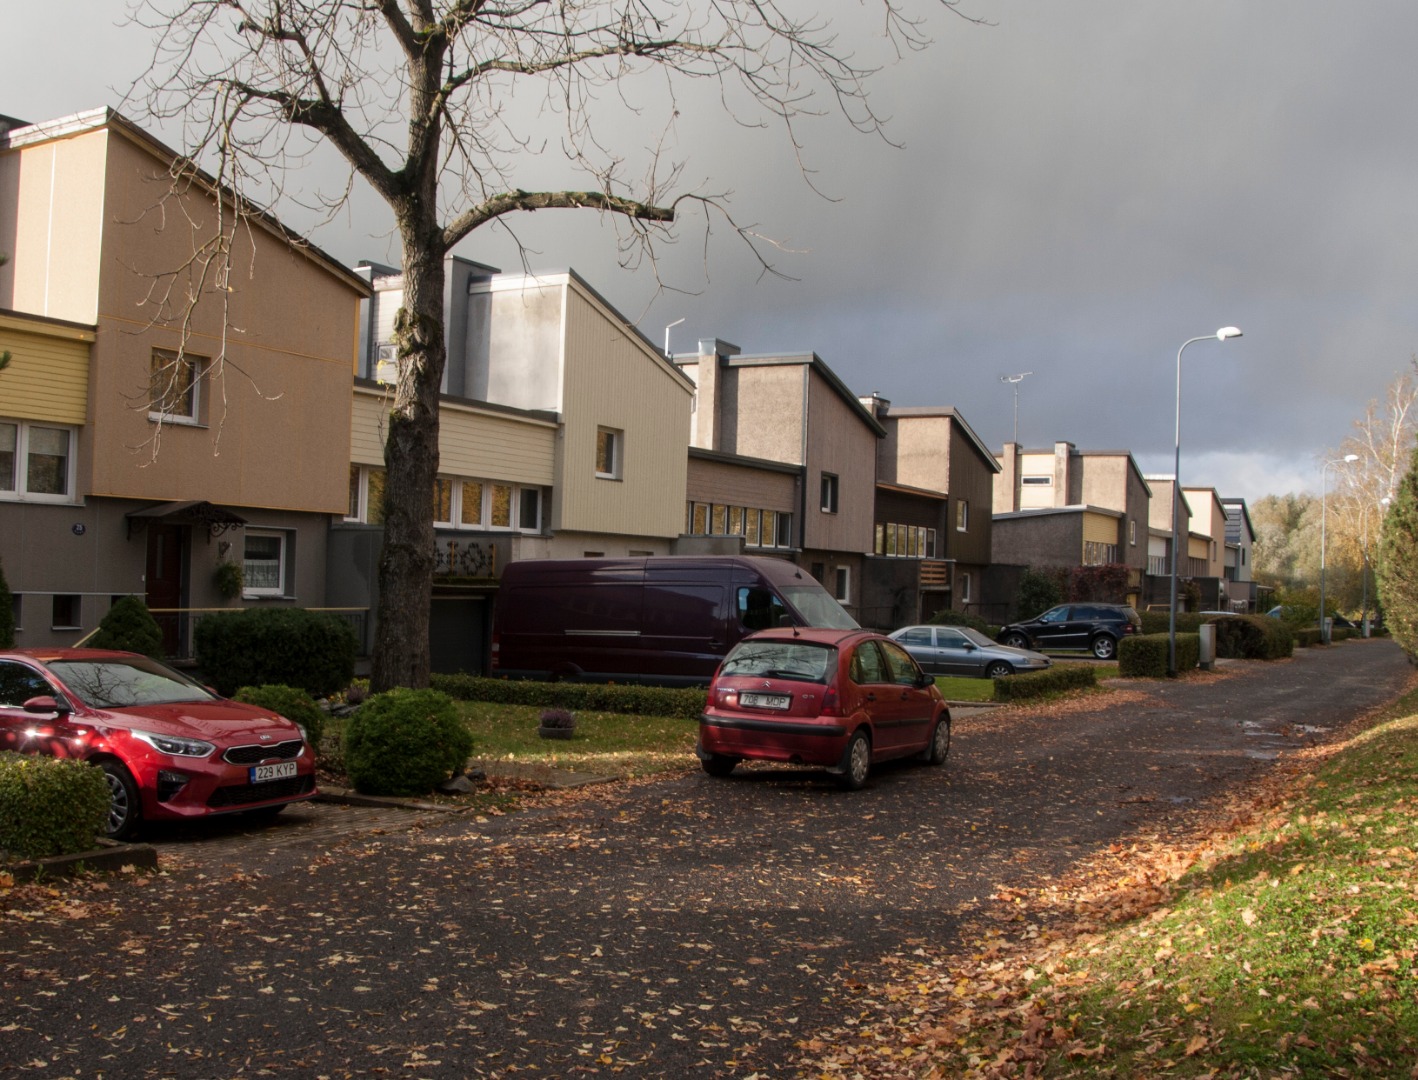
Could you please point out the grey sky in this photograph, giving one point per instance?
(1083, 186)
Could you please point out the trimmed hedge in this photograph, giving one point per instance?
(1158, 622)
(952, 617)
(1144, 656)
(1307, 636)
(1052, 680)
(311, 650)
(1253, 637)
(292, 703)
(50, 806)
(405, 742)
(686, 703)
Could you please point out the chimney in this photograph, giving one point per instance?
(708, 429)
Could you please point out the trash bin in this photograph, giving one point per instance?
(1207, 633)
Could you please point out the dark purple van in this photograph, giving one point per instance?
(662, 619)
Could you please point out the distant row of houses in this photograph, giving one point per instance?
(143, 446)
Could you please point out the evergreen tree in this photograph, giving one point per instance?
(1398, 563)
(131, 627)
(7, 613)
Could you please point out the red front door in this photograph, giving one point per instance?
(167, 554)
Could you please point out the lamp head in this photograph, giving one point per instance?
(1227, 332)
(1351, 457)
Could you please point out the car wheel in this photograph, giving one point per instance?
(123, 808)
(856, 762)
(1104, 647)
(998, 670)
(1017, 641)
(719, 764)
(939, 748)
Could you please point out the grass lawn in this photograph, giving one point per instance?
(1288, 949)
(962, 688)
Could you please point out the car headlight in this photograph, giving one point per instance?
(174, 746)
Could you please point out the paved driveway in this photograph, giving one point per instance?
(686, 926)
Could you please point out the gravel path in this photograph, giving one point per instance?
(686, 926)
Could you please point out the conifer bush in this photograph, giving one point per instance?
(129, 626)
(405, 742)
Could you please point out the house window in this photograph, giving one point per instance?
(964, 582)
(819, 571)
(356, 473)
(718, 522)
(785, 529)
(264, 564)
(501, 517)
(173, 387)
(529, 510)
(442, 501)
(930, 543)
(66, 612)
(751, 521)
(829, 493)
(962, 516)
(374, 496)
(1132, 531)
(471, 507)
(1037, 481)
(842, 583)
(610, 452)
(35, 462)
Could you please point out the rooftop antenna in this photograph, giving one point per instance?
(1015, 380)
(667, 336)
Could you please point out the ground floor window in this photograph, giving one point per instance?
(264, 563)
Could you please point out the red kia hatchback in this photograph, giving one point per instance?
(169, 747)
(840, 699)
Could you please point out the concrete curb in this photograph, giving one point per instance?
(109, 857)
(350, 797)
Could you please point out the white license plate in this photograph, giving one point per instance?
(766, 701)
(278, 771)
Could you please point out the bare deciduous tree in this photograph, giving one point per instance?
(426, 102)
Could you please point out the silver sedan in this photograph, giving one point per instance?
(958, 650)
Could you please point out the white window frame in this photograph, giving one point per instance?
(964, 596)
(20, 492)
(831, 493)
(1132, 531)
(962, 516)
(842, 584)
(282, 563)
(617, 453)
(199, 367)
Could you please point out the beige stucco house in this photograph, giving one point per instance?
(143, 440)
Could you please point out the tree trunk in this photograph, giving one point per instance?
(401, 648)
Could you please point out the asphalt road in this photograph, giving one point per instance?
(682, 927)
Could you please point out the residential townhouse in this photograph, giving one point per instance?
(793, 410)
(1206, 547)
(933, 529)
(142, 442)
(1065, 508)
(561, 434)
(1246, 595)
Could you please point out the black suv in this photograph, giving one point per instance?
(1095, 627)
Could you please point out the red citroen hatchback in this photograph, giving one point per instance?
(840, 699)
(169, 747)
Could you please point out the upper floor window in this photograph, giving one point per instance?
(174, 387)
(962, 516)
(458, 503)
(1040, 481)
(610, 453)
(36, 462)
(759, 528)
(829, 493)
(1132, 531)
(905, 541)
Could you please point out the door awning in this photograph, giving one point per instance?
(215, 519)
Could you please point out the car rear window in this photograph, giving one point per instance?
(781, 660)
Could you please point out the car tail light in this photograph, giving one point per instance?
(728, 697)
(830, 702)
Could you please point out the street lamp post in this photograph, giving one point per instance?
(1324, 472)
(1015, 380)
(1220, 335)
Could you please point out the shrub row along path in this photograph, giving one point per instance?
(678, 927)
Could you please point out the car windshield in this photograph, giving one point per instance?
(781, 660)
(114, 684)
(816, 605)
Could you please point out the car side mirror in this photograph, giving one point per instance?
(47, 703)
(926, 679)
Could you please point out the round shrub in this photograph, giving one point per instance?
(951, 617)
(312, 650)
(129, 625)
(292, 703)
(405, 742)
(50, 806)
